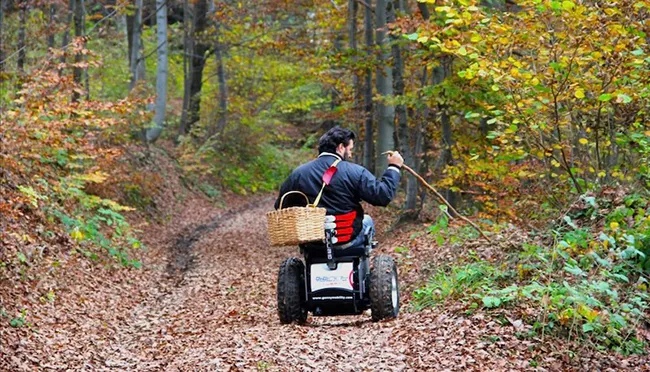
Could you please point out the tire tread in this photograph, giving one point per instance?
(290, 291)
(381, 305)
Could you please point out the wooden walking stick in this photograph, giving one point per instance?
(442, 199)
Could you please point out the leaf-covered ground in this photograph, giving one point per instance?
(205, 300)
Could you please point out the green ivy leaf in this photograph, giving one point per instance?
(21, 257)
(575, 270)
(606, 97)
(623, 98)
(569, 222)
(17, 322)
(621, 277)
(491, 301)
(568, 5)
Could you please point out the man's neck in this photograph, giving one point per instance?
(330, 154)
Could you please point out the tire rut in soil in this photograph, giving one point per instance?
(181, 257)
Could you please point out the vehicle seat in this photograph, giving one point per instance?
(342, 229)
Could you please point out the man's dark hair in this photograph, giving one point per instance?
(333, 138)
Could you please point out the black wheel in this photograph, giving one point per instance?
(384, 288)
(291, 289)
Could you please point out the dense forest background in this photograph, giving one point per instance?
(530, 117)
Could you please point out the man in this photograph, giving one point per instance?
(350, 185)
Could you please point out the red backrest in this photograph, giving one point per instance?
(343, 230)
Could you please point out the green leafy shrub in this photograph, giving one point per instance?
(589, 285)
(456, 282)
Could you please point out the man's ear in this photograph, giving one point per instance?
(340, 148)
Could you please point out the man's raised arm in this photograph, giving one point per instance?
(381, 191)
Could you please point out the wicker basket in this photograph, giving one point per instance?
(296, 225)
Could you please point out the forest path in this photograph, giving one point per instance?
(205, 300)
(220, 314)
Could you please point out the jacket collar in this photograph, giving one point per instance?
(330, 154)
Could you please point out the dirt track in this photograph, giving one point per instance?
(221, 315)
(207, 302)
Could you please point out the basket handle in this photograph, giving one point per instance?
(293, 192)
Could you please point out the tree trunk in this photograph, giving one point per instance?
(137, 62)
(404, 9)
(77, 71)
(612, 160)
(223, 88)
(161, 72)
(2, 47)
(196, 54)
(196, 84)
(385, 112)
(401, 114)
(335, 100)
(440, 73)
(424, 10)
(398, 88)
(222, 112)
(50, 32)
(85, 75)
(22, 31)
(65, 40)
(418, 140)
(187, 66)
(120, 25)
(130, 22)
(352, 38)
(368, 147)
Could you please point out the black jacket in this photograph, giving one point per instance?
(350, 185)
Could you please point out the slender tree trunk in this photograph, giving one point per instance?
(198, 63)
(77, 71)
(424, 10)
(161, 72)
(65, 40)
(613, 147)
(86, 76)
(442, 72)
(352, 37)
(368, 147)
(22, 32)
(398, 88)
(137, 62)
(447, 143)
(385, 112)
(219, 51)
(187, 66)
(223, 88)
(411, 183)
(418, 140)
(2, 46)
(197, 57)
(50, 32)
(120, 24)
(130, 26)
(401, 114)
(335, 100)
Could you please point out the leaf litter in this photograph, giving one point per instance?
(219, 313)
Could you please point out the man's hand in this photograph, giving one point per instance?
(394, 158)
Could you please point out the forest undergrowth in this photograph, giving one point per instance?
(583, 279)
